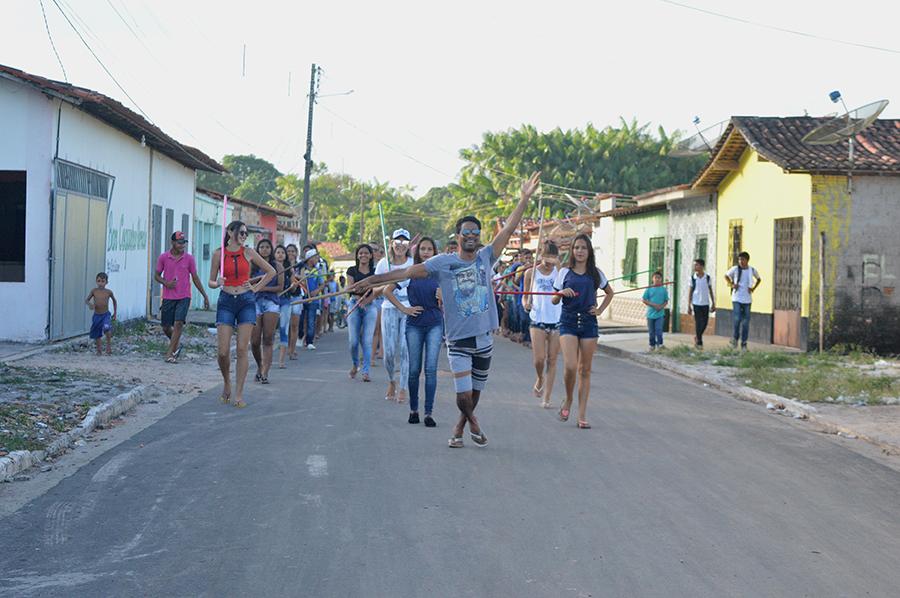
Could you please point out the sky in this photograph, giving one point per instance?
(429, 80)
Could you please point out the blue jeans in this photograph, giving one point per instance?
(428, 341)
(310, 311)
(741, 317)
(284, 323)
(393, 338)
(361, 326)
(655, 328)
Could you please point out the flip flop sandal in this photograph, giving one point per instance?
(455, 442)
(479, 439)
(225, 398)
(258, 377)
(240, 404)
(563, 415)
(264, 380)
(546, 404)
(353, 373)
(538, 391)
(365, 378)
(584, 425)
(171, 359)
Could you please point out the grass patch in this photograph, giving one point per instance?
(16, 443)
(836, 376)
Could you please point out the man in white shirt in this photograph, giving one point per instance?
(740, 280)
(702, 300)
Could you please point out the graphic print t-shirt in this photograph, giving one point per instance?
(469, 307)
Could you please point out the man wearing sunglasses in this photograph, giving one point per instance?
(470, 312)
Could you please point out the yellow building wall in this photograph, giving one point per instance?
(758, 193)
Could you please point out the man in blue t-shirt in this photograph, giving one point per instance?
(470, 312)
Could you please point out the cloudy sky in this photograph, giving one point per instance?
(429, 80)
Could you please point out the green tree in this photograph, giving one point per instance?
(627, 159)
(248, 177)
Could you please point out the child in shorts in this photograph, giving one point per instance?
(101, 325)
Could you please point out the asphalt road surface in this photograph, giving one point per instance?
(321, 488)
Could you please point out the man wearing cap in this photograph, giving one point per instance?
(174, 271)
(314, 285)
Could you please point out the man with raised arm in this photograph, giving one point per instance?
(470, 312)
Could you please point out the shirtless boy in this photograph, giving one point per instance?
(101, 325)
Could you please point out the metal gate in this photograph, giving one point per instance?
(788, 281)
(78, 248)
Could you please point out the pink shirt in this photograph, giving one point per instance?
(178, 269)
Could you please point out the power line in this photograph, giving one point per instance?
(385, 144)
(119, 85)
(781, 29)
(52, 44)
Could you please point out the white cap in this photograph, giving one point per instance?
(401, 232)
(310, 253)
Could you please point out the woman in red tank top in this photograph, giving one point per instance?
(236, 306)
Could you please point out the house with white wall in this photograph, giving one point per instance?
(86, 185)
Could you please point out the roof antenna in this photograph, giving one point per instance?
(701, 142)
(845, 126)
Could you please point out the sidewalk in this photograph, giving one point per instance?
(877, 424)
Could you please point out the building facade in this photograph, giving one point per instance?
(91, 186)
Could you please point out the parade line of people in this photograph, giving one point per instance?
(403, 304)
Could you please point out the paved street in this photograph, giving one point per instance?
(321, 488)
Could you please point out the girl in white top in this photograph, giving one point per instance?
(393, 321)
(544, 321)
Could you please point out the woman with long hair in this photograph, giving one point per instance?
(424, 330)
(393, 321)
(296, 310)
(577, 285)
(361, 323)
(236, 307)
(268, 311)
(544, 316)
(283, 266)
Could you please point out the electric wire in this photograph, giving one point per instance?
(52, 44)
(780, 29)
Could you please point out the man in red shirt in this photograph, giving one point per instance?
(174, 271)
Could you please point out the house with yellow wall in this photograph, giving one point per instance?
(810, 220)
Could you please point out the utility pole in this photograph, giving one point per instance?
(304, 216)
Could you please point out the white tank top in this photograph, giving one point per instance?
(542, 309)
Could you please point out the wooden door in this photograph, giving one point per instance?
(788, 281)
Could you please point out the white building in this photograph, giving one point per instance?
(86, 185)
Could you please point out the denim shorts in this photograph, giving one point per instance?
(232, 310)
(267, 305)
(296, 309)
(582, 325)
(545, 326)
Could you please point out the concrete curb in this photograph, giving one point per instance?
(43, 349)
(99, 415)
(782, 405)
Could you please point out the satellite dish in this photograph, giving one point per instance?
(702, 142)
(847, 125)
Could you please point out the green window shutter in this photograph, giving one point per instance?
(630, 266)
(700, 249)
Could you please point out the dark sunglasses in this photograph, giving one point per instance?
(470, 232)
(242, 233)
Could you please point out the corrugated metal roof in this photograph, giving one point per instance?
(117, 116)
(243, 202)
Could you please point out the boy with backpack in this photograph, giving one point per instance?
(702, 301)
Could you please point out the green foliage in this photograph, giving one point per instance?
(335, 202)
(248, 177)
(626, 159)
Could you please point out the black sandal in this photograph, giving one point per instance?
(263, 380)
(258, 377)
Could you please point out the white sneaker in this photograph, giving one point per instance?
(310, 347)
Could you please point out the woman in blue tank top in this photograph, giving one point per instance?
(577, 284)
